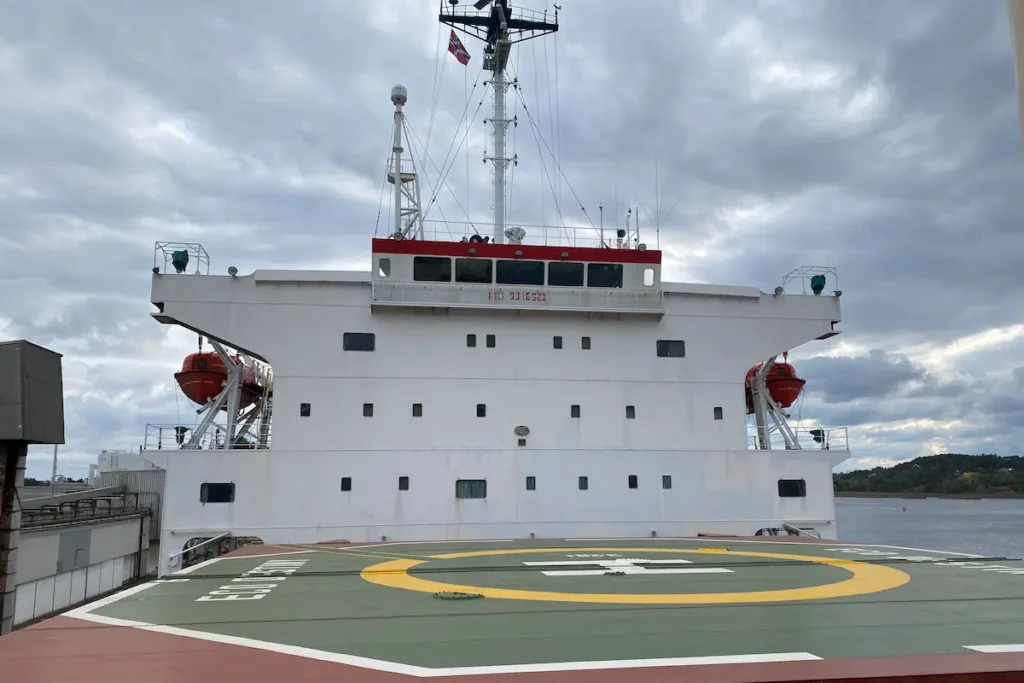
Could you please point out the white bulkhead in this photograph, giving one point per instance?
(609, 407)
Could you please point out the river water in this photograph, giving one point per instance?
(993, 528)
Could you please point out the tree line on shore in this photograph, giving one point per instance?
(948, 473)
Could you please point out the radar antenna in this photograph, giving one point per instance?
(499, 27)
(408, 209)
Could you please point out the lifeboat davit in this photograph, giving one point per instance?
(203, 375)
(783, 385)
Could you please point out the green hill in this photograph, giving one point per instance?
(949, 473)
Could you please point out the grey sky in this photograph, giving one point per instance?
(881, 138)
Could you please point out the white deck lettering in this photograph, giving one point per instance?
(256, 583)
(622, 566)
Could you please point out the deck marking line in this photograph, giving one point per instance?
(204, 563)
(424, 672)
(996, 648)
(110, 599)
(351, 552)
(867, 578)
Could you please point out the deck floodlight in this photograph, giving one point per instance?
(817, 284)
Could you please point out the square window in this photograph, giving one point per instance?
(585, 343)
(346, 483)
(718, 412)
(630, 412)
(666, 481)
(481, 410)
(531, 483)
(304, 410)
(367, 410)
(558, 342)
(403, 483)
(633, 481)
(470, 340)
(584, 484)
(490, 341)
(522, 442)
(574, 411)
(417, 410)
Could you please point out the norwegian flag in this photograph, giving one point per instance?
(456, 47)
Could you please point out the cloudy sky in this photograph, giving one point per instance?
(881, 138)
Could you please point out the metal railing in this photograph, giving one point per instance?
(160, 437)
(181, 257)
(649, 300)
(44, 513)
(537, 234)
(811, 438)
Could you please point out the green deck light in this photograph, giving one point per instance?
(179, 260)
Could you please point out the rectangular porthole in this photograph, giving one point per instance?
(491, 341)
(630, 412)
(481, 410)
(403, 483)
(666, 481)
(557, 342)
(531, 483)
(217, 492)
(367, 410)
(585, 343)
(718, 412)
(304, 410)
(471, 488)
(574, 411)
(358, 341)
(346, 483)
(792, 488)
(584, 483)
(671, 348)
(633, 482)
(417, 410)
(471, 340)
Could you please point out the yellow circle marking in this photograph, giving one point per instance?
(867, 578)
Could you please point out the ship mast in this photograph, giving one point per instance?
(499, 27)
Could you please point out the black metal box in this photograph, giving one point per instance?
(31, 394)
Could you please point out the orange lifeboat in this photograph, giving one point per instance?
(203, 375)
(783, 385)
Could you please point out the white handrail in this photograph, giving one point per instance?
(170, 558)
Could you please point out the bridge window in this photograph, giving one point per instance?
(367, 410)
(217, 492)
(520, 273)
(531, 483)
(718, 412)
(604, 275)
(565, 274)
(474, 270)
(384, 267)
(584, 483)
(792, 488)
(666, 481)
(403, 483)
(304, 410)
(633, 483)
(432, 269)
(671, 348)
(346, 483)
(471, 488)
(630, 412)
(359, 341)
(558, 342)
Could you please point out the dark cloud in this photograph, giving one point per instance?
(879, 138)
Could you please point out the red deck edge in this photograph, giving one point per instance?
(532, 252)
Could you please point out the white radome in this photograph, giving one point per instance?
(399, 95)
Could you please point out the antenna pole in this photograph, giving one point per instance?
(493, 22)
(396, 168)
(408, 209)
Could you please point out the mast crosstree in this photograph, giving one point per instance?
(495, 23)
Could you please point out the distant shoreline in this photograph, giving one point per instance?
(916, 495)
